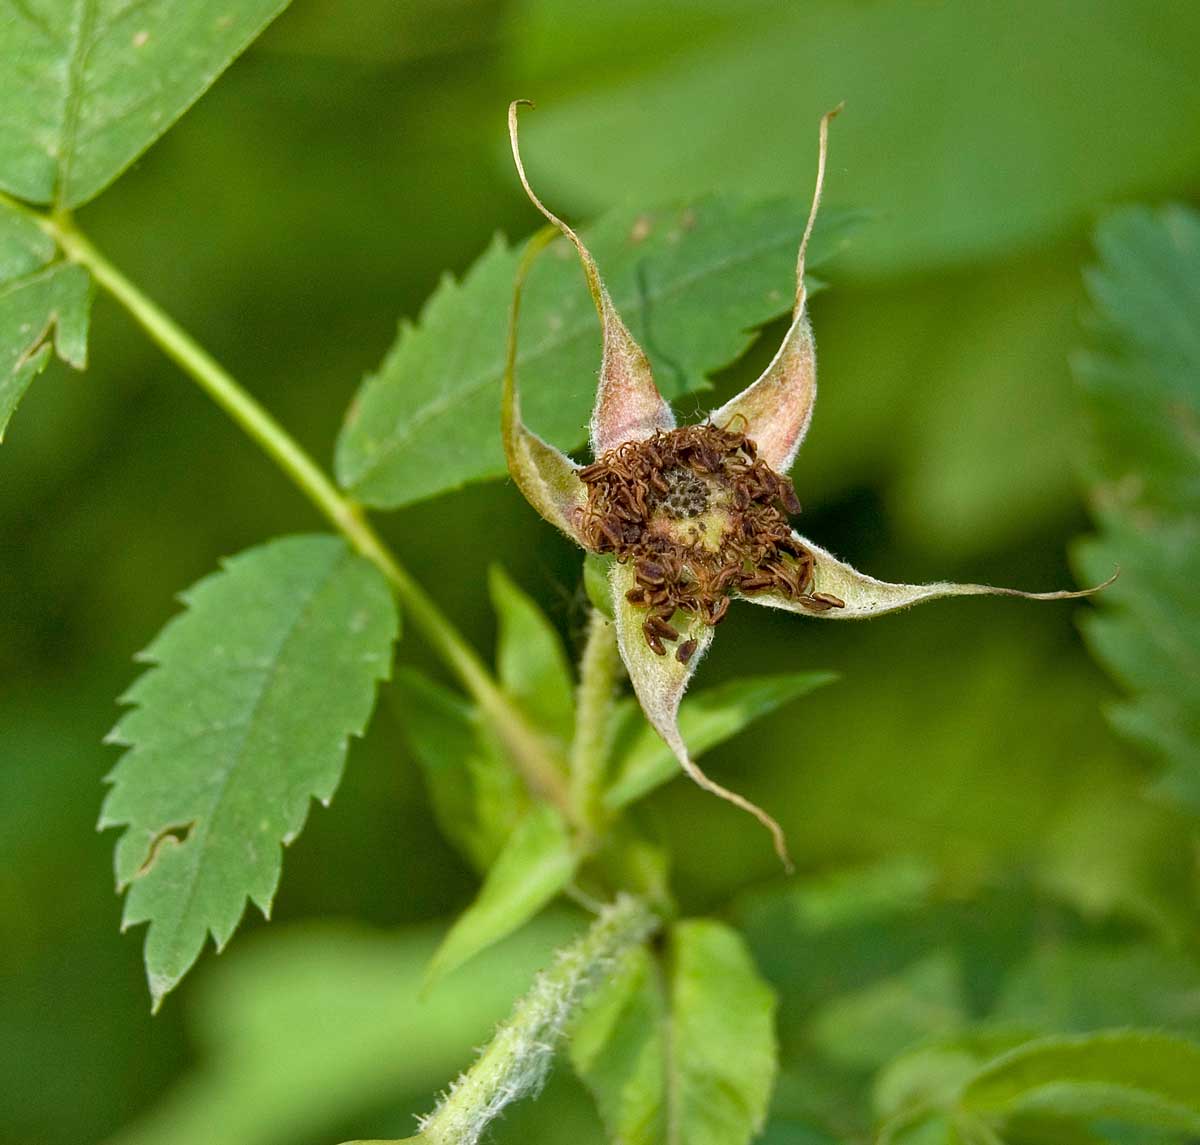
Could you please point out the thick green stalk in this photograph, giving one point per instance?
(599, 670)
(526, 747)
(518, 1058)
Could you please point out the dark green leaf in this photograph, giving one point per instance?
(87, 85)
(706, 719)
(530, 659)
(692, 284)
(1144, 1078)
(244, 718)
(1142, 383)
(684, 1052)
(536, 863)
(477, 797)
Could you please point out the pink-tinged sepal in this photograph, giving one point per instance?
(660, 678)
(547, 478)
(840, 592)
(628, 404)
(775, 410)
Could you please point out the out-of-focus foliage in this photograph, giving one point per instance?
(1142, 381)
(682, 1052)
(1023, 887)
(1011, 80)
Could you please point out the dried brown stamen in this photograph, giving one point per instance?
(701, 517)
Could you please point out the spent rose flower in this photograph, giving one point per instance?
(697, 515)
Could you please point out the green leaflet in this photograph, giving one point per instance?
(643, 761)
(24, 246)
(1141, 380)
(244, 718)
(477, 797)
(44, 308)
(991, 1081)
(632, 108)
(1126, 1075)
(682, 1054)
(534, 865)
(530, 659)
(41, 314)
(691, 283)
(87, 85)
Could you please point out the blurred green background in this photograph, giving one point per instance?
(315, 196)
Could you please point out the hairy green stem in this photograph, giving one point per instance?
(518, 1058)
(599, 670)
(525, 746)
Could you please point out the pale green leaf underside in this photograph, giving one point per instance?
(536, 863)
(41, 314)
(706, 719)
(1141, 380)
(692, 284)
(244, 718)
(682, 1054)
(87, 85)
(1143, 1078)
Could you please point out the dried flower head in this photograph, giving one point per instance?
(695, 516)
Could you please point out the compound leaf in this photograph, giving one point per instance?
(692, 284)
(87, 85)
(244, 717)
(1141, 379)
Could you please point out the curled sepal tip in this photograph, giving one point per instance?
(838, 591)
(775, 410)
(628, 404)
(546, 477)
(659, 682)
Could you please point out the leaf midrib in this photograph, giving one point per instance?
(406, 430)
(80, 49)
(203, 825)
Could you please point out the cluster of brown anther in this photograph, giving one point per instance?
(701, 517)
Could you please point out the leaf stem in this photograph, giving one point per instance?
(526, 748)
(599, 669)
(518, 1058)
